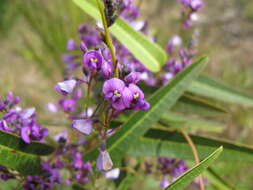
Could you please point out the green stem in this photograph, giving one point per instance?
(108, 39)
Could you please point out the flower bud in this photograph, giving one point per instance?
(83, 126)
(65, 87)
(104, 161)
(83, 47)
(106, 69)
(133, 77)
(71, 45)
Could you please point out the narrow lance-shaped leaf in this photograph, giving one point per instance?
(176, 120)
(126, 182)
(149, 53)
(158, 142)
(17, 155)
(141, 121)
(196, 105)
(186, 178)
(216, 180)
(208, 87)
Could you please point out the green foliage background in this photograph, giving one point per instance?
(32, 44)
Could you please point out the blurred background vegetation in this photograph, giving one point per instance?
(33, 35)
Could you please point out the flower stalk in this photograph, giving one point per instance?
(108, 38)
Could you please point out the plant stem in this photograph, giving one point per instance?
(108, 38)
(196, 157)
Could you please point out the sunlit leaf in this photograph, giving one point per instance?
(149, 53)
(186, 178)
(208, 87)
(176, 120)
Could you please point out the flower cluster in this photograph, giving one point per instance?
(168, 168)
(5, 174)
(67, 158)
(122, 95)
(180, 56)
(49, 176)
(20, 121)
(190, 12)
(96, 62)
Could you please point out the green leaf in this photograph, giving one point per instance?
(126, 182)
(149, 53)
(158, 142)
(17, 155)
(186, 178)
(176, 120)
(196, 105)
(208, 87)
(141, 121)
(216, 180)
(14, 142)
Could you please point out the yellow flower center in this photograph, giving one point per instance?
(93, 59)
(136, 95)
(117, 93)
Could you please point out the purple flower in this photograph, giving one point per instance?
(116, 91)
(138, 25)
(196, 4)
(62, 136)
(69, 58)
(51, 107)
(185, 2)
(91, 39)
(9, 97)
(93, 59)
(78, 94)
(107, 69)
(10, 116)
(71, 45)
(25, 134)
(174, 66)
(83, 47)
(187, 23)
(173, 42)
(133, 77)
(66, 87)
(180, 168)
(112, 174)
(83, 126)
(27, 113)
(148, 78)
(4, 126)
(33, 131)
(104, 161)
(2, 105)
(164, 183)
(68, 104)
(49, 177)
(138, 100)
(5, 174)
(127, 2)
(16, 100)
(78, 161)
(167, 77)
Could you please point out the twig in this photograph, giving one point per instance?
(196, 157)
